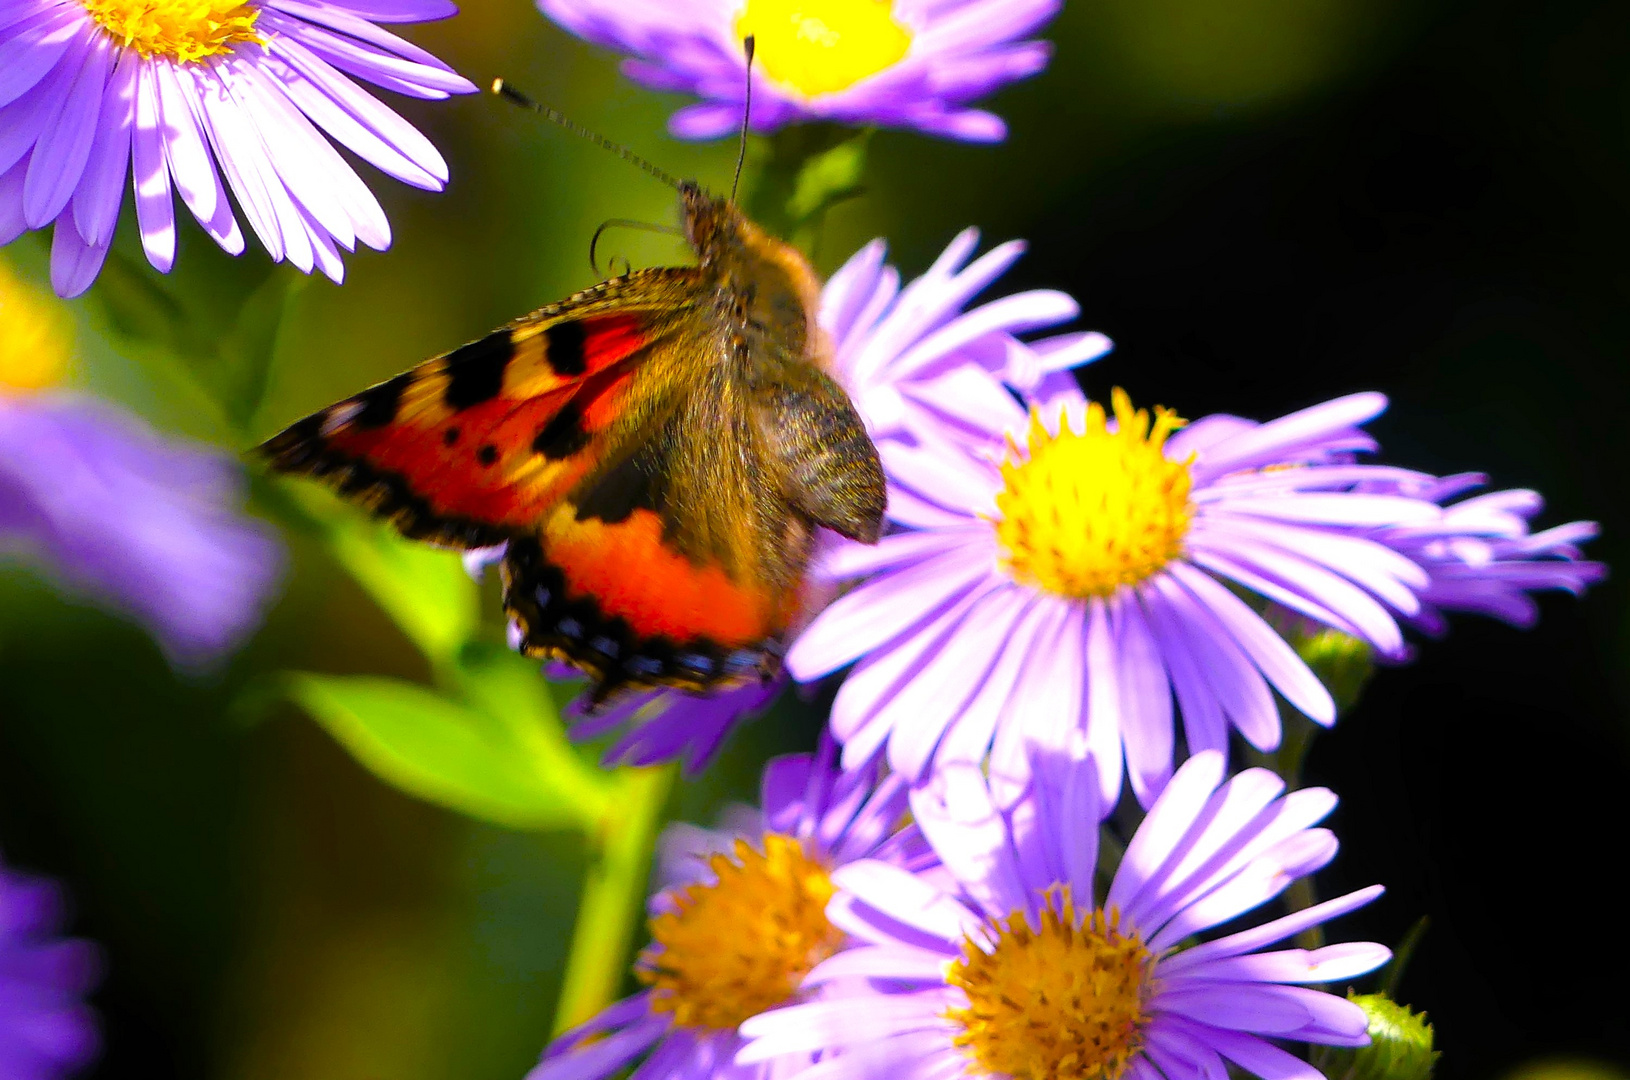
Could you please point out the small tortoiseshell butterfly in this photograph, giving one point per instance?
(656, 452)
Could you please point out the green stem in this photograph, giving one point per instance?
(800, 173)
(1287, 762)
(613, 895)
(1343, 664)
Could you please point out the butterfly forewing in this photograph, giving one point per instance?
(473, 447)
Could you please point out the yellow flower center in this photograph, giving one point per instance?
(183, 30)
(822, 46)
(1084, 513)
(34, 335)
(740, 946)
(1062, 1004)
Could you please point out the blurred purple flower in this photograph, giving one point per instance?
(1059, 577)
(46, 1030)
(892, 63)
(740, 918)
(166, 90)
(136, 521)
(1482, 559)
(1004, 964)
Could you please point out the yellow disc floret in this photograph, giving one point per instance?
(822, 46)
(34, 335)
(732, 949)
(1064, 1003)
(182, 30)
(1085, 513)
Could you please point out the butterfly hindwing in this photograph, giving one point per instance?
(474, 447)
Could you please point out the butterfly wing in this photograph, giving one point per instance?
(473, 448)
(678, 562)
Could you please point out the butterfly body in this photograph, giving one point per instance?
(657, 453)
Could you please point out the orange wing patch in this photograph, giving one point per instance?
(474, 447)
(658, 592)
(614, 599)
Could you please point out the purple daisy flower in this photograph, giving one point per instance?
(132, 520)
(177, 93)
(1060, 576)
(741, 918)
(1005, 965)
(893, 63)
(46, 1030)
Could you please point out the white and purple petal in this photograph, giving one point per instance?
(80, 112)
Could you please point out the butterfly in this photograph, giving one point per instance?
(657, 454)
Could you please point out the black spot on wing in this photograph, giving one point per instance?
(563, 435)
(635, 484)
(487, 455)
(381, 403)
(565, 351)
(475, 372)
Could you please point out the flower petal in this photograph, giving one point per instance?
(96, 203)
(1276, 659)
(65, 145)
(882, 609)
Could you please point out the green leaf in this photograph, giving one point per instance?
(828, 179)
(509, 688)
(207, 331)
(803, 171)
(443, 751)
(247, 352)
(423, 589)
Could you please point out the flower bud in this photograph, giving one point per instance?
(1342, 662)
(1400, 1045)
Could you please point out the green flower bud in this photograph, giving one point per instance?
(1400, 1045)
(1341, 661)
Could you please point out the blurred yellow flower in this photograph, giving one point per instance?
(34, 335)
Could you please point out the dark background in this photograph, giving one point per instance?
(1264, 202)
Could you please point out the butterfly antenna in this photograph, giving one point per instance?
(625, 223)
(746, 115)
(515, 97)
